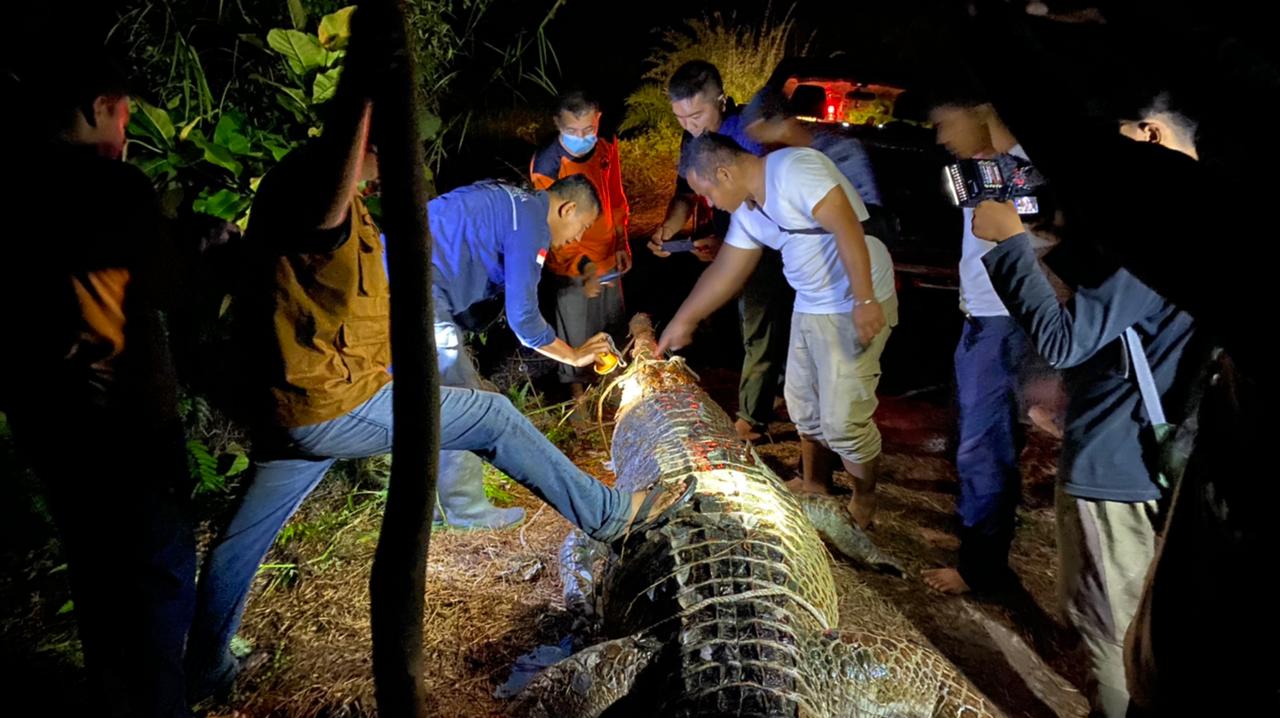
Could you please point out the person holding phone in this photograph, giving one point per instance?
(585, 276)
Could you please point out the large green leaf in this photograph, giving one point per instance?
(157, 165)
(325, 85)
(297, 13)
(223, 204)
(215, 153)
(229, 133)
(428, 125)
(294, 101)
(154, 121)
(335, 29)
(301, 51)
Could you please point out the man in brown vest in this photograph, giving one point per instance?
(315, 313)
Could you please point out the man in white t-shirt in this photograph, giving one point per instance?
(795, 201)
(991, 354)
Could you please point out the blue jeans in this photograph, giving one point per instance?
(480, 422)
(988, 362)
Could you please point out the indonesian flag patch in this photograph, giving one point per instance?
(542, 256)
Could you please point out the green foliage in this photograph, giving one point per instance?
(497, 486)
(524, 396)
(207, 156)
(561, 434)
(214, 455)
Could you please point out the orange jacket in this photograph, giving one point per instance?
(604, 239)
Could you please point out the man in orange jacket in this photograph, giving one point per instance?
(586, 275)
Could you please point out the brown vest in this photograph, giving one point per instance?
(331, 317)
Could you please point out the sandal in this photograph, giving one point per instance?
(655, 492)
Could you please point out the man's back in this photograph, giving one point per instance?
(1103, 447)
(316, 308)
(489, 239)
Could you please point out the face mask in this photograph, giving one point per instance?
(577, 145)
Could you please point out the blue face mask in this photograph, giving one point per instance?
(577, 145)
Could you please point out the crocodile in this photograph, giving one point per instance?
(727, 606)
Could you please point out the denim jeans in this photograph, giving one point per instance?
(480, 422)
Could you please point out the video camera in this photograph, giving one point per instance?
(1004, 178)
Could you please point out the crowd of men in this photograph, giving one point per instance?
(795, 236)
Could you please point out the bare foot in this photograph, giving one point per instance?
(945, 580)
(1046, 421)
(659, 499)
(799, 486)
(863, 509)
(746, 431)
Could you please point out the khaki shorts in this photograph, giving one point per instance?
(1105, 549)
(832, 379)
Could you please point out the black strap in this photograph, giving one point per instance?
(809, 231)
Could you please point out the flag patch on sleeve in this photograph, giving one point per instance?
(542, 257)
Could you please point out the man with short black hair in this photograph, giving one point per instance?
(988, 363)
(584, 305)
(88, 385)
(1122, 348)
(796, 202)
(699, 103)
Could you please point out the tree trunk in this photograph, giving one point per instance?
(398, 581)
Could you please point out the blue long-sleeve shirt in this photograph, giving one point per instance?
(849, 156)
(1103, 445)
(490, 239)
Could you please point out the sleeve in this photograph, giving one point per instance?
(856, 166)
(621, 207)
(809, 177)
(522, 270)
(544, 168)
(1066, 335)
(270, 220)
(741, 233)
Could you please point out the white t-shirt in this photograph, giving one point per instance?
(978, 297)
(796, 179)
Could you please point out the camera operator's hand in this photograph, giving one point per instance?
(869, 320)
(996, 221)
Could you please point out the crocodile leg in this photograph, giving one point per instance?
(837, 528)
(587, 683)
(578, 558)
(889, 677)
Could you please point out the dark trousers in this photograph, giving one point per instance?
(765, 309)
(119, 495)
(988, 362)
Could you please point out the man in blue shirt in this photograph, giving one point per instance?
(492, 239)
(766, 120)
(700, 105)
